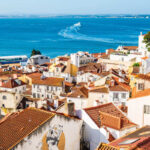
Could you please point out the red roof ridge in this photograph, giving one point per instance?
(89, 108)
(143, 93)
(9, 144)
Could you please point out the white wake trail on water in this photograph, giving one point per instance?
(72, 32)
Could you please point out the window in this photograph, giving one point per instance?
(57, 69)
(123, 103)
(47, 96)
(115, 95)
(146, 109)
(140, 86)
(123, 95)
(47, 88)
(38, 95)
(4, 97)
(34, 95)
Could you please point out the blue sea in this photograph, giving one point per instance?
(61, 35)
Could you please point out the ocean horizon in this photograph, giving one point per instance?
(61, 35)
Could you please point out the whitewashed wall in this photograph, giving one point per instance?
(92, 132)
(79, 102)
(70, 127)
(136, 110)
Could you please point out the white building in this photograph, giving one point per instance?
(43, 87)
(104, 123)
(128, 49)
(139, 108)
(118, 95)
(13, 85)
(9, 102)
(87, 77)
(81, 58)
(98, 95)
(38, 60)
(142, 46)
(145, 67)
(79, 97)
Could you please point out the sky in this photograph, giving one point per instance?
(66, 7)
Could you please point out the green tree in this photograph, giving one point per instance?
(136, 65)
(35, 52)
(38, 52)
(147, 40)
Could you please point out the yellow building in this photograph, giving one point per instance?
(28, 78)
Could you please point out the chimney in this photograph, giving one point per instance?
(56, 103)
(133, 91)
(112, 83)
(71, 108)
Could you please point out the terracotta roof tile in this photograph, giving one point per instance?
(109, 115)
(91, 67)
(96, 55)
(116, 73)
(34, 75)
(46, 64)
(51, 81)
(130, 47)
(100, 90)
(123, 84)
(144, 58)
(82, 84)
(19, 125)
(81, 92)
(143, 93)
(143, 76)
(12, 83)
(68, 84)
(64, 58)
(118, 88)
(59, 65)
(106, 56)
(111, 51)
